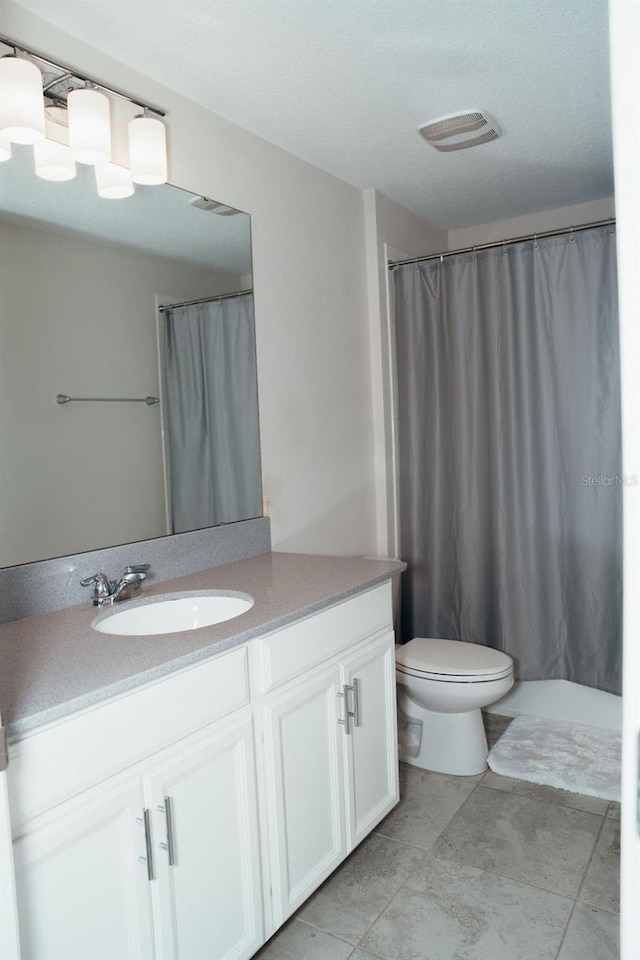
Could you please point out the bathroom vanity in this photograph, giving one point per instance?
(182, 795)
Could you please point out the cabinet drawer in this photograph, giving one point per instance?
(65, 757)
(289, 652)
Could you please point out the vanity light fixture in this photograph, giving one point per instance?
(34, 88)
(89, 126)
(21, 100)
(147, 150)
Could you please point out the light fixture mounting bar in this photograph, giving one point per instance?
(46, 87)
(71, 72)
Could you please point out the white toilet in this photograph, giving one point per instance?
(442, 686)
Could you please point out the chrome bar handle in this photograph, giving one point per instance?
(344, 720)
(171, 846)
(355, 687)
(147, 839)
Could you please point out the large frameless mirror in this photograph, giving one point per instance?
(128, 390)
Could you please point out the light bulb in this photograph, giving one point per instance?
(21, 101)
(89, 126)
(148, 150)
(113, 181)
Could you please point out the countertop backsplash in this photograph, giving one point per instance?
(48, 585)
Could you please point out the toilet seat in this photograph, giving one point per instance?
(452, 661)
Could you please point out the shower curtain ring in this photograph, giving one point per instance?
(535, 241)
(572, 236)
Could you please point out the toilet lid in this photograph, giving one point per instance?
(452, 658)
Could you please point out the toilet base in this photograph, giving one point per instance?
(453, 743)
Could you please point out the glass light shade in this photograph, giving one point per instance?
(54, 160)
(21, 101)
(5, 149)
(113, 181)
(148, 150)
(89, 126)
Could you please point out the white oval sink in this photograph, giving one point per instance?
(173, 613)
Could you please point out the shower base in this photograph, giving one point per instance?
(561, 700)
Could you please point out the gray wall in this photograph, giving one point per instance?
(78, 317)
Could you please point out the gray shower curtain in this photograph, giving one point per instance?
(510, 453)
(211, 413)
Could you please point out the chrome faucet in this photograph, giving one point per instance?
(107, 591)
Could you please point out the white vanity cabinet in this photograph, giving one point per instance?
(207, 854)
(172, 846)
(81, 879)
(161, 859)
(304, 788)
(370, 754)
(189, 817)
(329, 733)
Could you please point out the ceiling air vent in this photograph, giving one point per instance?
(457, 131)
(212, 206)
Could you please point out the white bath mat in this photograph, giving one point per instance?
(557, 753)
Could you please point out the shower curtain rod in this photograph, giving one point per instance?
(392, 264)
(189, 303)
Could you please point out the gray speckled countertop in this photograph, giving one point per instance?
(54, 664)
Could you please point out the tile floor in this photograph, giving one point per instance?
(473, 868)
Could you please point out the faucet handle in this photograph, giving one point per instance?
(99, 579)
(101, 587)
(137, 568)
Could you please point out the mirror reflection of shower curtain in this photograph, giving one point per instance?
(510, 454)
(211, 413)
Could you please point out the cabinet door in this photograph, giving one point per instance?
(304, 787)
(9, 949)
(203, 797)
(81, 877)
(371, 746)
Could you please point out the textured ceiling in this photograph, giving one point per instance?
(345, 84)
(157, 220)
